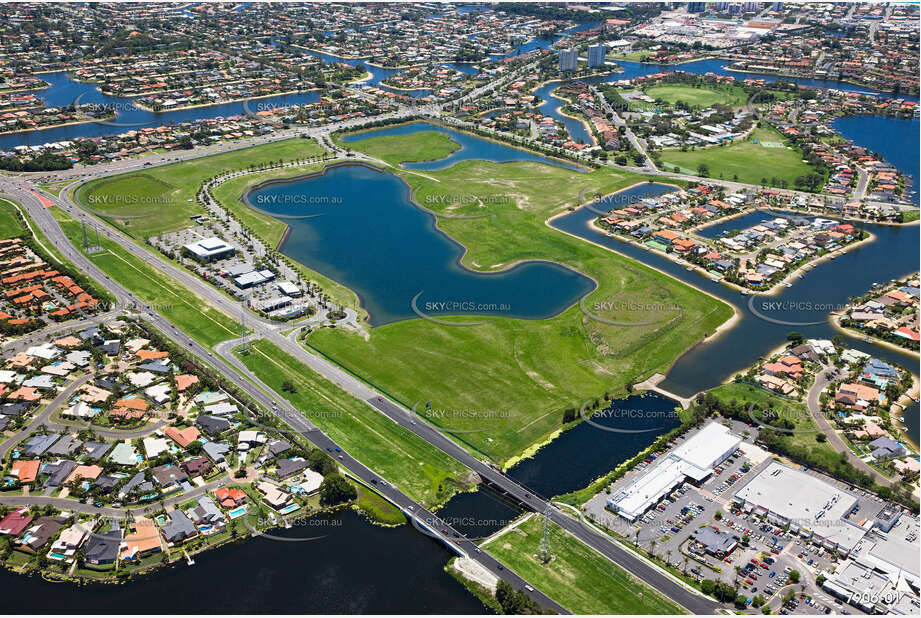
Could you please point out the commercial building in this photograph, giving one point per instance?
(881, 575)
(596, 55)
(714, 542)
(569, 59)
(810, 506)
(208, 250)
(693, 460)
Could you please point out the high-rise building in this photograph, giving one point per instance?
(697, 7)
(569, 59)
(596, 55)
(751, 7)
(722, 7)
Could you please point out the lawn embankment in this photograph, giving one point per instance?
(173, 301)
(577, 577)
(417, 468)
(511, 380)
(149, 202)
(10, 224)
(396, 149)
(763, 161)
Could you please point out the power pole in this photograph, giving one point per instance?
(545, 549)
(244, 347)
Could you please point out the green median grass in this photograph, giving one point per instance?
(524, 373)
(173, 301)
(580, 579)
(744, 161)
(149, 202)
(412, 464)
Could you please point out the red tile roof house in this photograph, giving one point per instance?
(230, 497)
(15, 522)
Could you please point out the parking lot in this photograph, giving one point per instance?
(765, 555)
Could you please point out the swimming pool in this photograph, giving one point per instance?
(240, 510)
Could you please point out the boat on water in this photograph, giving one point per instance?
(745, 292)
(689, 268)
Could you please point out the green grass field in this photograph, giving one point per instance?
(798, 412)
(697, 97)
(524, 373)
(577, 577)
(396, 149)
(190, 313)
(744, 161)
(417, 468)
(10, 225)
(157, 200)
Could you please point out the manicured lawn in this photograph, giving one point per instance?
(696, 97)
(524, 373)
(9, 220)
(152, 201)
(416, 467)
(744, 161)
(190, 313)
(577, 577)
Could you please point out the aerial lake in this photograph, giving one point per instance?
(369, 236)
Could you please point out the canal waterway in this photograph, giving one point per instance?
(355, 568)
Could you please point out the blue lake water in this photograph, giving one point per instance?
(471, 147)
(389, 251)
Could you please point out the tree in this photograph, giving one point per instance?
(514, 601)
(703, 170)
(336, 489)
(794, 576)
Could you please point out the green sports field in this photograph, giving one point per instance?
(577, 577)
(697, 97)
(515, 378)
(744, 161)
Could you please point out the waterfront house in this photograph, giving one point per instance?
(142, 540)
(15, 522)
(179, 528)
(102, 547)
(230, 497)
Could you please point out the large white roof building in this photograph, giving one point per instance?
(694, 459)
